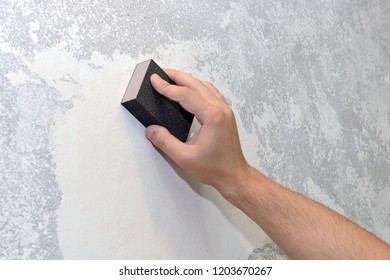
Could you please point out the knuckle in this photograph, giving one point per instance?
(166, 88)
(229, 112)
(160, 139)
(211, 86)
(223, 98)
(186, 158)
(208, 83)
(218, 115)
(182, 94)
(182, 159)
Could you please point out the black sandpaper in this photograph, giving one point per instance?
(149, 107)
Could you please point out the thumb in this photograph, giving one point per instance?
(166, 142)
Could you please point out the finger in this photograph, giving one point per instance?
(210, 86)
(186, 97)
(166, 142)
(183, 79)
(215, 91)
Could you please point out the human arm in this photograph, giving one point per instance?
(303, 228)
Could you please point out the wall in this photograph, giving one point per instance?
(309, 83)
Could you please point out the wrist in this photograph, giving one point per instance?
(238, 188)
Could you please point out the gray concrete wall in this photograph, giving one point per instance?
(309, 82)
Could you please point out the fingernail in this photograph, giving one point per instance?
(149, 133)
(154, 77)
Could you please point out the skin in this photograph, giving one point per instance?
(303, 228)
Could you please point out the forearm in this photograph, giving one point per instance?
(303, 228)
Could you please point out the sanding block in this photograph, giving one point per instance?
(150, 107)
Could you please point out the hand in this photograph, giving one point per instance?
(212, 156)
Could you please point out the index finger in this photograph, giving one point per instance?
(183, 79)
(186, 97)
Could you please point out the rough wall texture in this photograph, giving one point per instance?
(309, 82)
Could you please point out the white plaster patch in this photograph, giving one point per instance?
(18, 78)
(267, 117)
(329, 122)
(29, 235)
(295, 115)
(121, 198)
(72, 30)
(226, 19)
(249, 143)
(34, 27)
